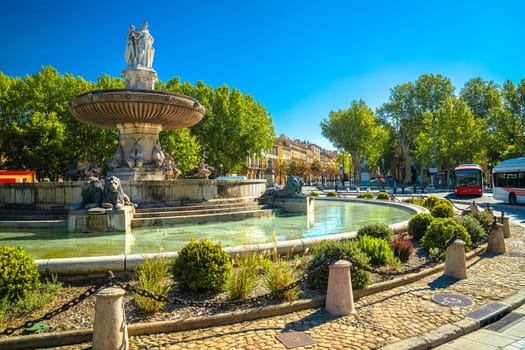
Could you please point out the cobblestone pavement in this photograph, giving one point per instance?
(382, 318)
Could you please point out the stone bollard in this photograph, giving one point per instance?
(489, 209)
(110, 331)
(506, 228)
(474, 208)
(455, 262)
(339, 297)
(496, 242)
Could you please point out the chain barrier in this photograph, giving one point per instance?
(222, 304)
(73, 302)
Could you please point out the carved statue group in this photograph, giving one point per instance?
(139, 47)
(109, 196)
(135, 156)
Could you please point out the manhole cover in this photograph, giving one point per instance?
(449, 299)
(294, 339)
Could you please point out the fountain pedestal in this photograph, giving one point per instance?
(141, 78)
(100, 220)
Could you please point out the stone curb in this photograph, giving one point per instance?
(454, 330)
(142, 328)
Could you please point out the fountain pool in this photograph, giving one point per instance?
(330, 217)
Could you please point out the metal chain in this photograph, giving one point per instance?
(215, 304)
(63, 308)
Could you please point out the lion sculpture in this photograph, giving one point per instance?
(292, 188)
(113, 196)
(91, 192)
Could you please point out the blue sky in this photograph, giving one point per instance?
(300, 59)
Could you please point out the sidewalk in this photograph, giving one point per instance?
(507, 333)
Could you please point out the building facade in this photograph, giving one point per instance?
(292, 158)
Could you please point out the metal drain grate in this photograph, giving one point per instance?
(294, 339)
(505, 322)
(449, 299)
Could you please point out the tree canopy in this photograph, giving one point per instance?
(39, 132)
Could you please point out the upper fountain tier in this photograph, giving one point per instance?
(108, 108)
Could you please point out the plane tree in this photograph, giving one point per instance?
(358, 131)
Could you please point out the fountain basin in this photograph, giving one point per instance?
(108, 108)
(295, 234)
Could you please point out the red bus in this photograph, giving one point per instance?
(13, 176)
(468, 180)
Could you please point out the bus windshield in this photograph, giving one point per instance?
(468, 178)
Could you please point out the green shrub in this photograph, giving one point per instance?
(152, 275)
(244, 276)
(34, 299)
(440, 231)
(314, 194)
(378, 230)
(402, 248)
(366, 195)
(377, 249)
(18, 273)
(474, 228)
(326, 252)
(443, 209)
(331, 194)
(418, 223)
(485, 219)
(431, 201)
(383, 195)
(416, 200)
(202, 266)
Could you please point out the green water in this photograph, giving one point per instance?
(330, 217)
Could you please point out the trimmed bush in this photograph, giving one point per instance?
(18, 273)
(202, 266)
(331, 194)
(418, 223)
(377, 249)
(314, 194)
(415, 200)
(366, 195)
(431, 201)
(474, 228)
(383, 195)
(402, 248)
(327, 252)
(484, 218)
(378, 230)
(444, 209)
(440, 231)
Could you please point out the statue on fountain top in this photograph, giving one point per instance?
(139, 47)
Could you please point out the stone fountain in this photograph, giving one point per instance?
(139, 113)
